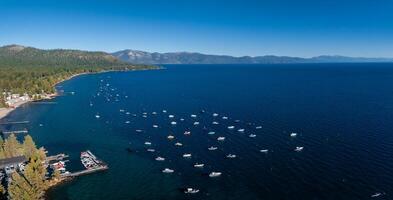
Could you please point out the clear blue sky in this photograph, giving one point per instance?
(244, 27)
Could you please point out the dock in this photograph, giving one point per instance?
(91, 163)
(20, 122)
(15, 132)
(60, 156)
(86, 171)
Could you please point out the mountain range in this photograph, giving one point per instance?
(143, 57)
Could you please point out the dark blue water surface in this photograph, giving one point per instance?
(343, 114)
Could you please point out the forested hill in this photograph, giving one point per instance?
(35, 71)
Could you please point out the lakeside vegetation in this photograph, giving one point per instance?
(32, 182)
(35, 71)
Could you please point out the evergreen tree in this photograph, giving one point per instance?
(29, 147)
(12, 147)
(20, 189)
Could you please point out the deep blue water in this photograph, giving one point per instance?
(343, 114)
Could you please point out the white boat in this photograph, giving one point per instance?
(181, 119)
(164, 111)
(241, 130)
(160, 158)
(173, 123)
(97, 116)
(212, 148)
(178, 144)
(198, 165)
(376, 195)
(148, 143)
(258, 127)
(193, 116)
(293, 134)
(138, 131)
(144, 116)
(224, 117)
(264, 150)
(237, 121)
(154, 113)
(221, 138)
(121, 110)
(127, 113)
(231, 156)
(171, 137)
(187, 133)
(215, 123)
(215, 114)
(127, 122)
(299, 149)
(231, 127)
(171, 116)
(168, 171)
(151, 150)
(187, 155)
(215, 174)
(252, 135)
(196, 123)
(211, 133)
(155, 126)
(191, 191)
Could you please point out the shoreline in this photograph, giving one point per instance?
(4, 112)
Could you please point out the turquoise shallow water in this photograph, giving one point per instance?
(341, 112)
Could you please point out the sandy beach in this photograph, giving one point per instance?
(5, 111)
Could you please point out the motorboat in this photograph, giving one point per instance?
(97, 116)
(155, 126)
(187, 133)
(221, 138)
(196, 123)
(215, 123)
(187, 155)
(293, 134)
(193, 116)
(215, 174)
(258, 127)
(299, 149)
(199, 165)
(178, 144)
(138, 131)
(151, 150)
(241, 130)
(252, 135)
(168, 171)
(173, 123)
(148, 143)
(231, 156)
(225, 118)
(171, 137)
(231, 127)
(127, 122)
(264, 150)
(191, 191)
(215, 114)
(160, 158)
(171, 116)
(212, 148)
(211, 133)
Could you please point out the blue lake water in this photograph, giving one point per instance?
(342, 114)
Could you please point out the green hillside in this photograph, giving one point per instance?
(36, 71)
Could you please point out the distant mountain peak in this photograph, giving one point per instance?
(143, 57)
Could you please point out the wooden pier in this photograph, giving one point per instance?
(86, 171)
(61, 156)
(20, 122)
(15, 132)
